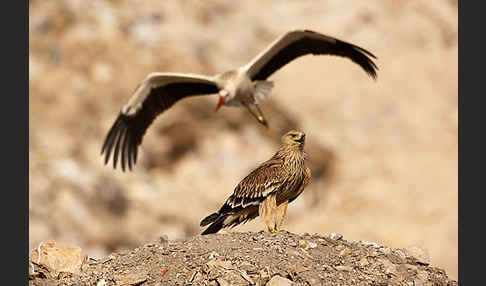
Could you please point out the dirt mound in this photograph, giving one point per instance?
(251, 258)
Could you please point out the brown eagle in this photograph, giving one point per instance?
(267, 190)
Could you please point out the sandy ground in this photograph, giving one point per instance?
(384, 153)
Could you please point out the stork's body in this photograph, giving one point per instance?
(237, 89)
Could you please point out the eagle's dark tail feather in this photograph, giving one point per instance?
(209, 219)
(216, 221)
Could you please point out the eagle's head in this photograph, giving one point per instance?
(294, 138)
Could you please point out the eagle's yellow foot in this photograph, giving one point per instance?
(270, 230)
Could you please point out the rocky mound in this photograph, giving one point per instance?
(247, 258)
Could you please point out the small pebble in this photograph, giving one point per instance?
(345, 252)
(400, 254)
(418, 282)
(335, 236)
(420, 253)
(386, 250)
(372, 244)
(344, 268)
(363, 262)
(423, 275)
(391, 269)
(279, 281)
(303, 244)
(213, 255)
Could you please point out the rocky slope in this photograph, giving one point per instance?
(252, 259)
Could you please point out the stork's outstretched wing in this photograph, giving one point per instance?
(302, 42)
(157, 93)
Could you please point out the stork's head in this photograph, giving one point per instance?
(227, 82)
(294, 138)
(224, 95)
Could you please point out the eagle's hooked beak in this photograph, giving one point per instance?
(220, 103)
(301, 139)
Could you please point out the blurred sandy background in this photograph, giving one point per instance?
(384, 153)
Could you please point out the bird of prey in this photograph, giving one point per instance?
(245, 86)
(267, 190)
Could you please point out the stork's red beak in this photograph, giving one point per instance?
(220, 103)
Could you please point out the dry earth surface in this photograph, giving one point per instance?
(383, 154)
(276, 259)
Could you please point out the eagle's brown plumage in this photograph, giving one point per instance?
(267, 190)
(245, 86)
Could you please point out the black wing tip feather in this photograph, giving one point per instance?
(363, 58)
(319, 44)
(342, 42)
(366, 63)
(120, 142)
(371, 69)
